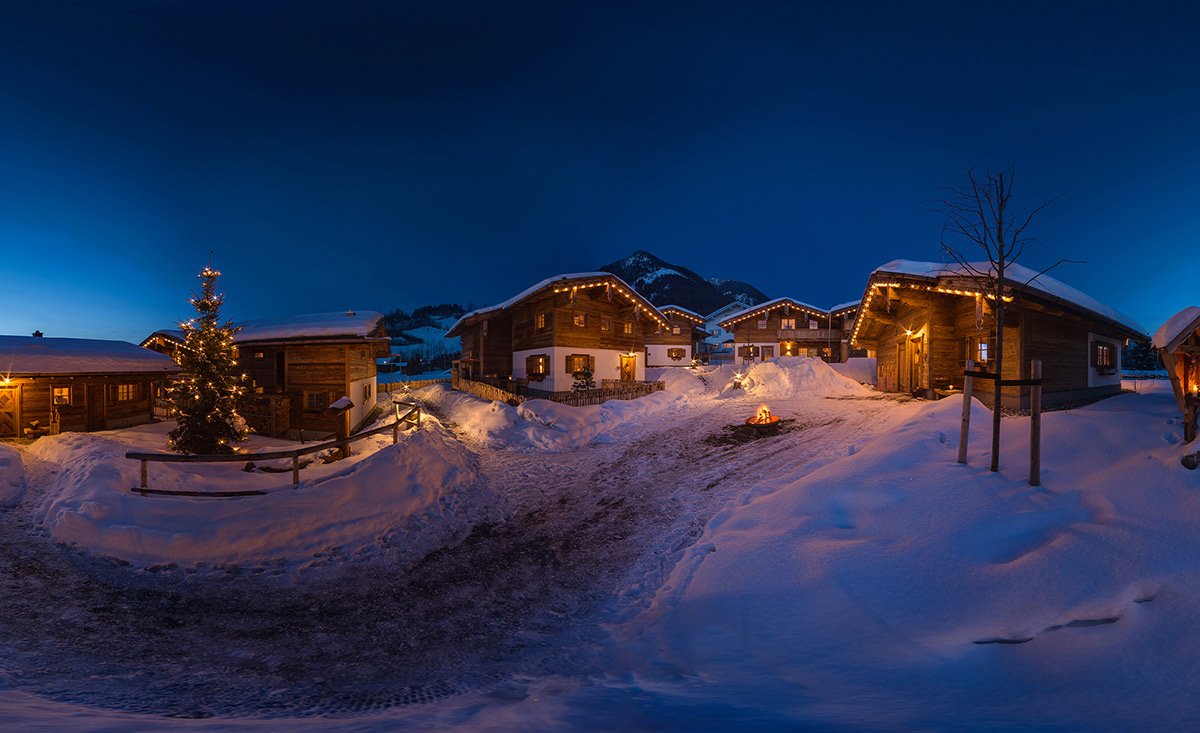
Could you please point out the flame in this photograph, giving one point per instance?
(763, 416)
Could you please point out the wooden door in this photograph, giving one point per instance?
(95, 407)
(902, 371)
(916, 364)
(628, 367)
(10, 410)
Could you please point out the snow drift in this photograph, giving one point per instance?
(407, 497)
(12, 476)
(794, 376)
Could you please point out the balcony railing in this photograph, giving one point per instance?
(807, 334)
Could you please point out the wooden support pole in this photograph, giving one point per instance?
(143, 473)
(965, 430)
(395, 432)
(1035, 424)
(295, 470)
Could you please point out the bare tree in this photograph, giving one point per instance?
(979, 213)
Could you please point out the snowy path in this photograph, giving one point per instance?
(593, 532)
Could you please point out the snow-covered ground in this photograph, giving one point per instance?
(646, 565)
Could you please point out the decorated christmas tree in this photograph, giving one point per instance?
(205, 394)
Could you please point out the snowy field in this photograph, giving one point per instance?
(644, 565)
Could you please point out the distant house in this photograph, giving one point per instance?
(717, 346)
(1178, 343)
(48, 385)
(675, 343)
(784, 327)
(297, 367)
(924, 320)
(545, 336)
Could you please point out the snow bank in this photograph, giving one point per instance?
(858, 368)
(401, 500)
(898, 587)
(541, 425)
(12, 476)
(677, 380)
(792, 376)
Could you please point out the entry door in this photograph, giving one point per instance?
(628, 367)
(95, 407)
(902, 371)
(10, 410)
(915, 363)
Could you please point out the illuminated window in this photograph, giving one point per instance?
(605, 323)
(812, 324)
(258, 355)
(367, 392)
(768, 352)
(676, 354)
(62, 395)
(580, 320)
(788, 324)
(675, 330)
(1102, 354)
(762, 323)
(628, 329)
(125, 392)
(536, 366)
(579, 363)
(540, 321)
(981, 351)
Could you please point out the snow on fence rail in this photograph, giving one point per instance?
(412, 418)
(413, 384)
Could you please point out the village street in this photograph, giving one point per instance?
(590, 534)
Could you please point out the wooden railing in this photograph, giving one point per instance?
(411, 418)
(808, 334)
(413, 384)
(486, 391)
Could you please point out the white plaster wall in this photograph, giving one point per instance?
(361, 407)
(1095, 378)
(737, 346)
(657, 355)
(608, 365)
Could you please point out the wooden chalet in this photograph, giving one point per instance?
(784, 327)
(1178, 343)
(676, 343)
(924, 320)
(717, 347)
(539, 340)
(298, 367)
(50, 385)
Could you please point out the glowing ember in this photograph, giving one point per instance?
(762, 417)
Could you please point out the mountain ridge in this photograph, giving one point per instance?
(663, 283)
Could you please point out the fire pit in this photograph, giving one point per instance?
(763, 420)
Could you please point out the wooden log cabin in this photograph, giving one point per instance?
(297, 367)
(675, 343)
(784, 327)
(1178, 343)
(50, 385)
(540, 339)
(924, 320)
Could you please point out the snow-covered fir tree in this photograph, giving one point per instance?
(584, 381)
(205, 394)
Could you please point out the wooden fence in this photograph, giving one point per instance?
(611, 389)
(414, 384)
(411, 418)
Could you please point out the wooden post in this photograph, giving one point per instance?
(395, 432)
(295, 470)
(143, 473)
(1035, 424)
(965, 430)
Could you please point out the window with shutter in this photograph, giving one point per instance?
(536, 366)
(676, 354)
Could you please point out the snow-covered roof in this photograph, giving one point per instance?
(338, 324)
(544, 284)
(1177, 328)
(682, 310)
(732, 306)
(173, 334)
(769, 305)
(1018, 275)
(28, 355)
(844, 306)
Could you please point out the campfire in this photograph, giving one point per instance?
(762, 418)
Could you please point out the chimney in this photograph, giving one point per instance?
(37, 334)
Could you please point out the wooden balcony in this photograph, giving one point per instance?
(808, 334)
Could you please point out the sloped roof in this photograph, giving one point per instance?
(337, 324)
(1018, 275)
(682, 311)
(845, 306)
(1176, 329)
(764, 307)
(28, 355)
(566, 280)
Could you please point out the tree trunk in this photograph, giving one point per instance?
(999, 367)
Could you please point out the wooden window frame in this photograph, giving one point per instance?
(579, 320)
(1104, 357)
(126, 392)
(321, 399)
(539, 321)
(676, 354)
(628, 328)
(573, 365)
(606, 323)
(761, 324)
(787, 324)
(54, 396)
(768, 352)
(675, 331)
(537, 367)
(813, 324)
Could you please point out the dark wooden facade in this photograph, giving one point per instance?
(784, 327)
(676, 343)
(539, 338)
(1178, 343)
(923, 330)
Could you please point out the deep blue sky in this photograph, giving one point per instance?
(388, 155)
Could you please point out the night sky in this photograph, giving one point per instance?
(388, 155)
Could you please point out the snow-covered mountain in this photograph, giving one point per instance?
(666, 284)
